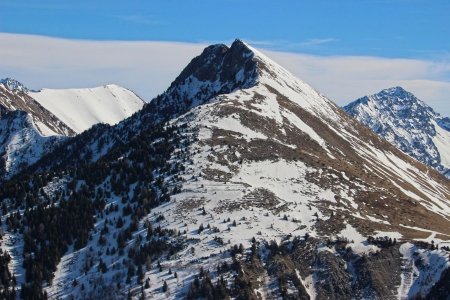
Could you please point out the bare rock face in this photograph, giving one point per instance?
(220, 63)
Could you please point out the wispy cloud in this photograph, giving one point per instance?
(317, 42)
(145, 67)
(286, 45)
(148, 68)
(264, 43)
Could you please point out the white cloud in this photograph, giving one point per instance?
(317, 42)
(145, 67)
(149, 67)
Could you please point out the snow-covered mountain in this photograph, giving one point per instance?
(81, 108)
(27, 129)
(50, 115)
(408, 123)
(15, 96)
(239, 182)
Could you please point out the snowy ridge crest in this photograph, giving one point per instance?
(84, 107)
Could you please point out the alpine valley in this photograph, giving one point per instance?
(240, 181)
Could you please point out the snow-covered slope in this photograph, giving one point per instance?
(236, 152)
(21, 142)
(408, 123)
(82, 108)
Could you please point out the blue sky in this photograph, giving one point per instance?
(396, 28)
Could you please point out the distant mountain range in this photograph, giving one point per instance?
(240, 181)
(408, 123)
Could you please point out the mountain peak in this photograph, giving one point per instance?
(404, 99)
(13, 84)
(240, 46)
(407, 122)
(219, 69)
(222, 69)
(221, 64)
(395, 89)
(398, 92)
